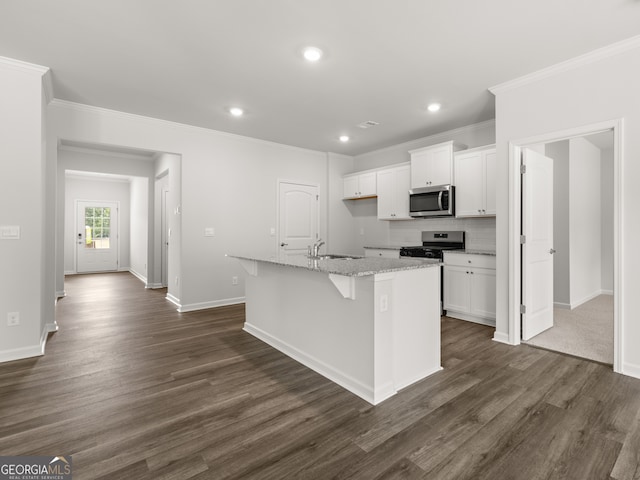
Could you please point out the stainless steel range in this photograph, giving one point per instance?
(434, 244)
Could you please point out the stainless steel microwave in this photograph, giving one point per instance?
(438, 201)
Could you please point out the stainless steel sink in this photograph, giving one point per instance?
(331, 256)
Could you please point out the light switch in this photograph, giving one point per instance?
(10, 232)
(209, 232)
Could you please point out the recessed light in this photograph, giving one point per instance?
(236, 112)
(433, 107)
(344, 138)
(312, 54)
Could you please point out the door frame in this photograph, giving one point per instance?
(515, 217)
(294, 182)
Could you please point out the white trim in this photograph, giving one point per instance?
(174, 300)
(139, 276)
(571, 64)
(159, 122)
(562, 305)
(336, 376)
(515, 147)
(61, 294)
(105, 153)
(606, 292)
(52, 327)
(584, 300)
(631, 370)
(153, 286)
(14, 64)
(491, 322)
(191, 307)
(501, 337)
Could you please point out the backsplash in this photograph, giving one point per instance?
(480, 232)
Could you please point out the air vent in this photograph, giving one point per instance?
(367, 124)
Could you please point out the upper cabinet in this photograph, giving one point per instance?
(359, 185)
(433, 165)
(393, 193)
(475, 173)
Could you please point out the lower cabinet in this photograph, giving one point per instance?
(470, 287)
(382, 252)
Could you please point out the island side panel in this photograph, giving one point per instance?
(302, 314)
(416, 325)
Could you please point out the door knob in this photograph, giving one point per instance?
(283, 244)
(552, 251)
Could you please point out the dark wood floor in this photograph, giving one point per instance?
(132, 389)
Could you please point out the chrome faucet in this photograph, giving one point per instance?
(316, 247)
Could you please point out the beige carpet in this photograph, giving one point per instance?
(586, 331)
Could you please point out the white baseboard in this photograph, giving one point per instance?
(585, 299)
(191, 307)
(174, 300)
(631, 370)
(153, 285)
(342, 379)
(61, 294)
(69, 272)
(471, 318)
(501, 337)
(606, 292)
(139, 276)
(562, 305)
(52, 327)
(21, 353)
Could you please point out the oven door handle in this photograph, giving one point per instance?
(440, 200)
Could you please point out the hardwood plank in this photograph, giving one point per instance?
(133, 389)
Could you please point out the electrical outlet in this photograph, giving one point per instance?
(13, 319)
(234, 280)
(384, 303)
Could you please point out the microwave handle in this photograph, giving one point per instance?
(440, 199)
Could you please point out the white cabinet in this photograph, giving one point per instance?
(470, 287)
(393, 193)
(475, 174)
(382, 252)
(433, 165)
(359, 185)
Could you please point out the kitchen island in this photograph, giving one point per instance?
(371, 325)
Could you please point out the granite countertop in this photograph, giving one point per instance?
(470, 251)
(351, 267)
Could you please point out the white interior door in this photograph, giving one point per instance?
(96, 237)
(298, 217)
(537, 251)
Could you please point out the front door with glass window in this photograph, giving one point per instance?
(97, 237)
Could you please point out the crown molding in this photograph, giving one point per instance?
(81, 107)
(431, 139)
(571, 64)
(23, 66)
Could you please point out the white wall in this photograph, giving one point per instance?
(138, 227)
(559, 152)
(606, 197)
(342, 236)
(585, 93)
(77, 188)
(228, 182)
(584, 221)
(369, 231)
(25, 285)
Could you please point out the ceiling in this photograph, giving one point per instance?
(384, 60)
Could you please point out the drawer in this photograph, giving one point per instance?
(382, 252)
(470, 260)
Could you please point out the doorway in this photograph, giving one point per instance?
(580, 310)
(298, 217)
(518, 297)
(96, 236)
